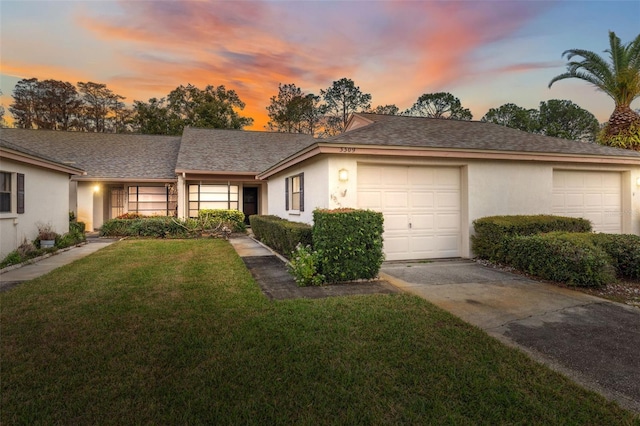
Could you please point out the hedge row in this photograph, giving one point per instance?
(208, 222)
(281, 235)
(348, 243)
(568, 258)
(493, 232)
(557, 248)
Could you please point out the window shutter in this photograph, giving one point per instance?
(286, 193)
(20, 200)
(301, 192)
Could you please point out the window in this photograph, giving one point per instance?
(5, 192)
(212, 196)
(152, 200)
(294, 193)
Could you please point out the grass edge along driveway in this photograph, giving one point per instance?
(177, 331)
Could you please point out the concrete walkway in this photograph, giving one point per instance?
(591, 340)
(14, 276)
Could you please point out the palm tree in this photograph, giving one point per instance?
(619, 78)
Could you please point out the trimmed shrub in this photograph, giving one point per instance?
(349, 243)
(281, 235)
(624, 251)
(156, 226)
(492, 233)
(562, 257)
(215, 217)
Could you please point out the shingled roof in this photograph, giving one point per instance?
(394, 130)
(236, 151)
(101, 155)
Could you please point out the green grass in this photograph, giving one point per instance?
(177, 332)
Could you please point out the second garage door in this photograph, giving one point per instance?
(421, 208)
(596, 196)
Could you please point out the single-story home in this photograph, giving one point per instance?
(429, 177)
(34, 191)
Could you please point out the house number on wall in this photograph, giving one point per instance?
(345, 149)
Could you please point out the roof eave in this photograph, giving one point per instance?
(397, 151)
(40, 162)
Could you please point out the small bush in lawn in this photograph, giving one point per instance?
(304, 267)
(561, 257)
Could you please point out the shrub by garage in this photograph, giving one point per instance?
(348, 243)
(492, 233)
(571, 258)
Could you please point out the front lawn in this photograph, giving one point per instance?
(177, 332)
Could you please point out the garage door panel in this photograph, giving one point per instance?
(448, 222)
(396, 222)
(395, 199)
(595, 196)
(422, 221)
(421, 208)
(449, 200)
(422, 199)
(370, 199)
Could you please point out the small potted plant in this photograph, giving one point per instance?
(46, 236)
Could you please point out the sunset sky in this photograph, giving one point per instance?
(487, 53)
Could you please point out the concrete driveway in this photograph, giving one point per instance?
(593, 341)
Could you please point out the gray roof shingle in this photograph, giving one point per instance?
(101, 155)
(394, 130)
(236, 150)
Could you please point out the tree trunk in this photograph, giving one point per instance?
(621, 119)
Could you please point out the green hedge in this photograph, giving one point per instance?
(492, 233)
(349, 243)
(562, 257)
(156, 226)
(281, 235)
(215, 216)
(624, 252)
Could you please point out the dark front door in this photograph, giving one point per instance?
(249, 202)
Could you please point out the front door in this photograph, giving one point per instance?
(116, 202)
(249, 202)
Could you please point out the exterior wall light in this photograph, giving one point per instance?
(343, 175)
(638, 181)
(96, 188)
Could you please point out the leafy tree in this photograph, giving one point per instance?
(211, 107)
(511, 115)
(3, 123)
(292, 111)
(151, 117)
(60, 105)
(439, 105)
(100, 107)
(25, 103)
(391, 109)
(342, 99)
(564, 119)
(618, 77)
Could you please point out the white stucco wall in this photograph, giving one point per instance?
(316, 191)
(46, 202)
(488, 187)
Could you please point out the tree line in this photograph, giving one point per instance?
(92, 107)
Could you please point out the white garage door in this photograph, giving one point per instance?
(596, 196)
(421, 208)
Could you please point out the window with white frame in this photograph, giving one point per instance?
(212, 196)
(5, 192)
(294, 192)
